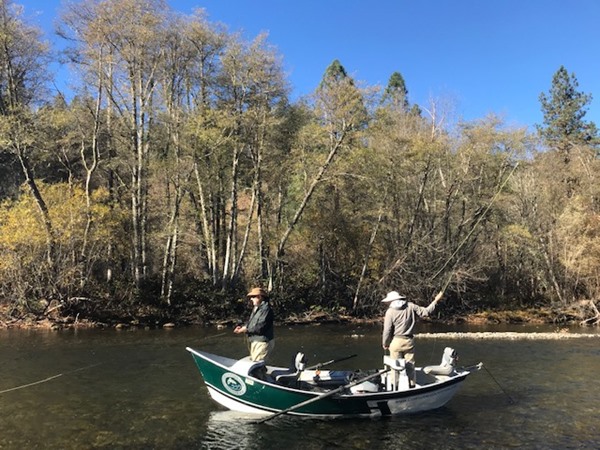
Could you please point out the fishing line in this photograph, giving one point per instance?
(449, 279)
(473, 229)
(48, 379)
(510, 400)
(214, 336)
(45, 380)
(433, 348)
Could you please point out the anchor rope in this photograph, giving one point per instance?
(510, 399)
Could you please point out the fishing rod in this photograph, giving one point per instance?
(323, 364)
(466, 238)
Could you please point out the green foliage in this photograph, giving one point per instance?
(334, 74)
(396, 92)
(339, 103)
(564, 109)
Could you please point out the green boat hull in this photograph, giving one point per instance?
(237, 390)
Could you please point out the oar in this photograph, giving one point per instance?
(323, 364)
(322, 396)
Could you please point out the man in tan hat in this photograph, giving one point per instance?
(259, 328)
(398, 327)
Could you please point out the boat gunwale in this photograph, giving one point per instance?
(459, 377)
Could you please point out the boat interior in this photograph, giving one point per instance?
(399, 376)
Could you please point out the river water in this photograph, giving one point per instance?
(139, 389)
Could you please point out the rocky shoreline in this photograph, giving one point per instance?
(548, 316)
(560, 334)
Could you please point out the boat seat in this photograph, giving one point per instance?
(246, 366)
(396, 364)
(325, 378)
(291, 374)
(446, 367)
(398, 378)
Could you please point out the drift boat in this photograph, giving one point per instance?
(254, 387)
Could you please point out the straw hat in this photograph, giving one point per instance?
(257, 292)
(393, 295)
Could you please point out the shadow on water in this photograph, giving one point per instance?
(140, 389)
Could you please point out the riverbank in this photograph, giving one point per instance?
(574, 315)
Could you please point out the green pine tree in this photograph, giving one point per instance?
(564, 109)
(334, 74)
(396, 92)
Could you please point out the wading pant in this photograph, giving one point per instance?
(260, 351)
(404, 347)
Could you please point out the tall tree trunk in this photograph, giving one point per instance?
(111, 154)
(336, 145)
(41, 204)
(231, 241)
(246, 236)
(546, 253)
(139, 180)
(170, 252)
(90, 168)
(207, 230)
(368, 254)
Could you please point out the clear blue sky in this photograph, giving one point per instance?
(488, 56)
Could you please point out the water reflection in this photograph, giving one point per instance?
(230, 430)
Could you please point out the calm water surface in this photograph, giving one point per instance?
(141, 390)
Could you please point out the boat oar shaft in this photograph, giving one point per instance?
(322, 396)
(323, 364)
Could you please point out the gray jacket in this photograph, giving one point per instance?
(401, 321)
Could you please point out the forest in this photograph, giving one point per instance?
(179, 174)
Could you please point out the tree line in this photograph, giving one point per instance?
(181, 173)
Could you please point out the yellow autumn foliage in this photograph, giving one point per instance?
(22, 234)
(578, 235)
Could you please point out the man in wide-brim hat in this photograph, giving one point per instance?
(398, 328)
(259, 327)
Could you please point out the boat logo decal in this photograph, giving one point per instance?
(233, 383)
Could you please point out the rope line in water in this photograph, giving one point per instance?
(510, 399)
(32, 384)
(47, 379)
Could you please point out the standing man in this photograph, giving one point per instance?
(398, 328)
(259, 328)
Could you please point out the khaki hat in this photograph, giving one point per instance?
(393, 295)
(257, 292)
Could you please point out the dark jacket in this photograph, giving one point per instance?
(260, 325)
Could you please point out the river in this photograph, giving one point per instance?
(139, 389)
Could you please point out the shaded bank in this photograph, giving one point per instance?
(155, 317)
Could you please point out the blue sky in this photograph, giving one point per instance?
(484, 56)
